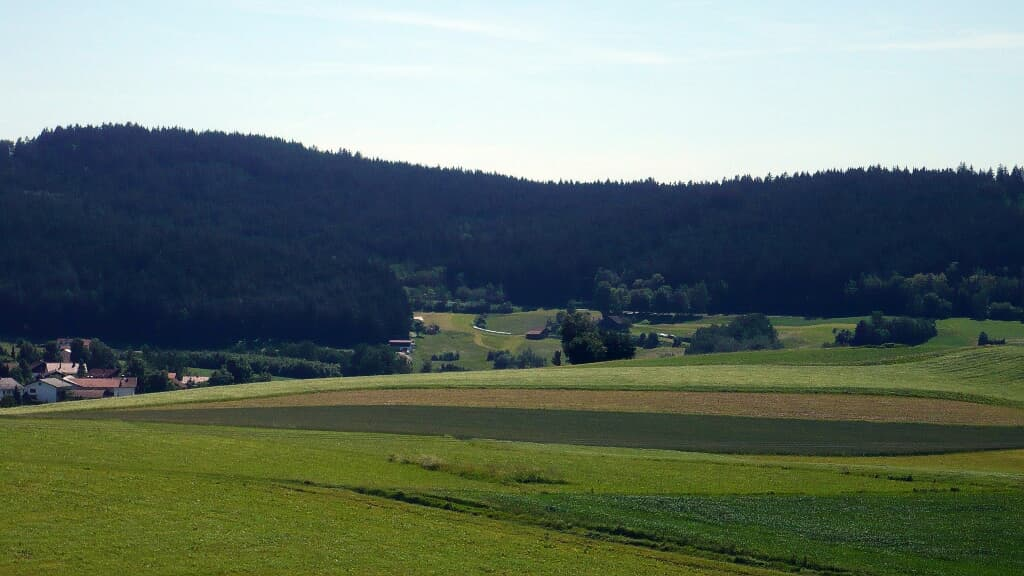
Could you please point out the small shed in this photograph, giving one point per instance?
(404, 346)
(614, 324)
(537, 333)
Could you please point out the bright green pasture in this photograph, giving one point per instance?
(794, 331)
(964, 331)
(457, 334)
(518, 323)
(203, 499)
(104, 498)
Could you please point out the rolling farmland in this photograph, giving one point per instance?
(819, 461)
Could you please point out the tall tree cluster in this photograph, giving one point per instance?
(182, 238)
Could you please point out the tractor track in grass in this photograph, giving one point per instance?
(845, 407)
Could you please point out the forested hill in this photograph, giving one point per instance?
(177, 237)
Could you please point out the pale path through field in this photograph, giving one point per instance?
(768, 405)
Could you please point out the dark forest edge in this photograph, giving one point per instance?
(182, 239)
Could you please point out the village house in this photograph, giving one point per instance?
(9, 388)
(57, 369)
(101, 372)
(53, 389)
(122, 386)
(187, 381)
(47, 390)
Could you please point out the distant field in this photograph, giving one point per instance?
(457, 335)
(794, 332)
(518, 323)
(799, 406)
(964, 331)
(698, 433)
(802, 338)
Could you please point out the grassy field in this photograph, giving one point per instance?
(697, 433)
(853, 407)
(802, 338)
(205, 499)
(794, 332)
(557, 470)
(457, 335)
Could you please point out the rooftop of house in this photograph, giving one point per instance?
(61, 368)
(88, 393)
(102, 372)
(9, 384)
(55, 382)
(104, 383)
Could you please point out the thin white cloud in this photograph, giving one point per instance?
(319, 10)
(640, 57)
(466, 26)
(327, 69)
(991, 41)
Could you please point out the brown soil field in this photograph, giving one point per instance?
(761, 405)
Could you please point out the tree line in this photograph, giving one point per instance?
(181, 238)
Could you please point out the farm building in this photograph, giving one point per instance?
(58, 369)
(102, 372)
(9, 387)
(404, 346)
(187, 381)
(86, 393)
(47, 390)
(537, 333)
(122, 386)
(614, 324)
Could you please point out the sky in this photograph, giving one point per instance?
(550, 90)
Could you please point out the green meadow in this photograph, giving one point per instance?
(175, 483)
(207, 499)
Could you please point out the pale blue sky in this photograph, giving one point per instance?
(674, 90)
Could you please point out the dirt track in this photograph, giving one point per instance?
(765, 405)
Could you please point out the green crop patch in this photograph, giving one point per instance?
(700, 433)
(940, 532)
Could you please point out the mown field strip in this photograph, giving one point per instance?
(699, 433)
(933, 378)
(763, 405)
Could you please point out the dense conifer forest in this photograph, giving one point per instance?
(181, 238)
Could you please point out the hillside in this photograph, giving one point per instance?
(809, 460)
(182, 238)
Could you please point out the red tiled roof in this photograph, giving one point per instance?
(106, 382)
(86, 394)
(102, 372)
